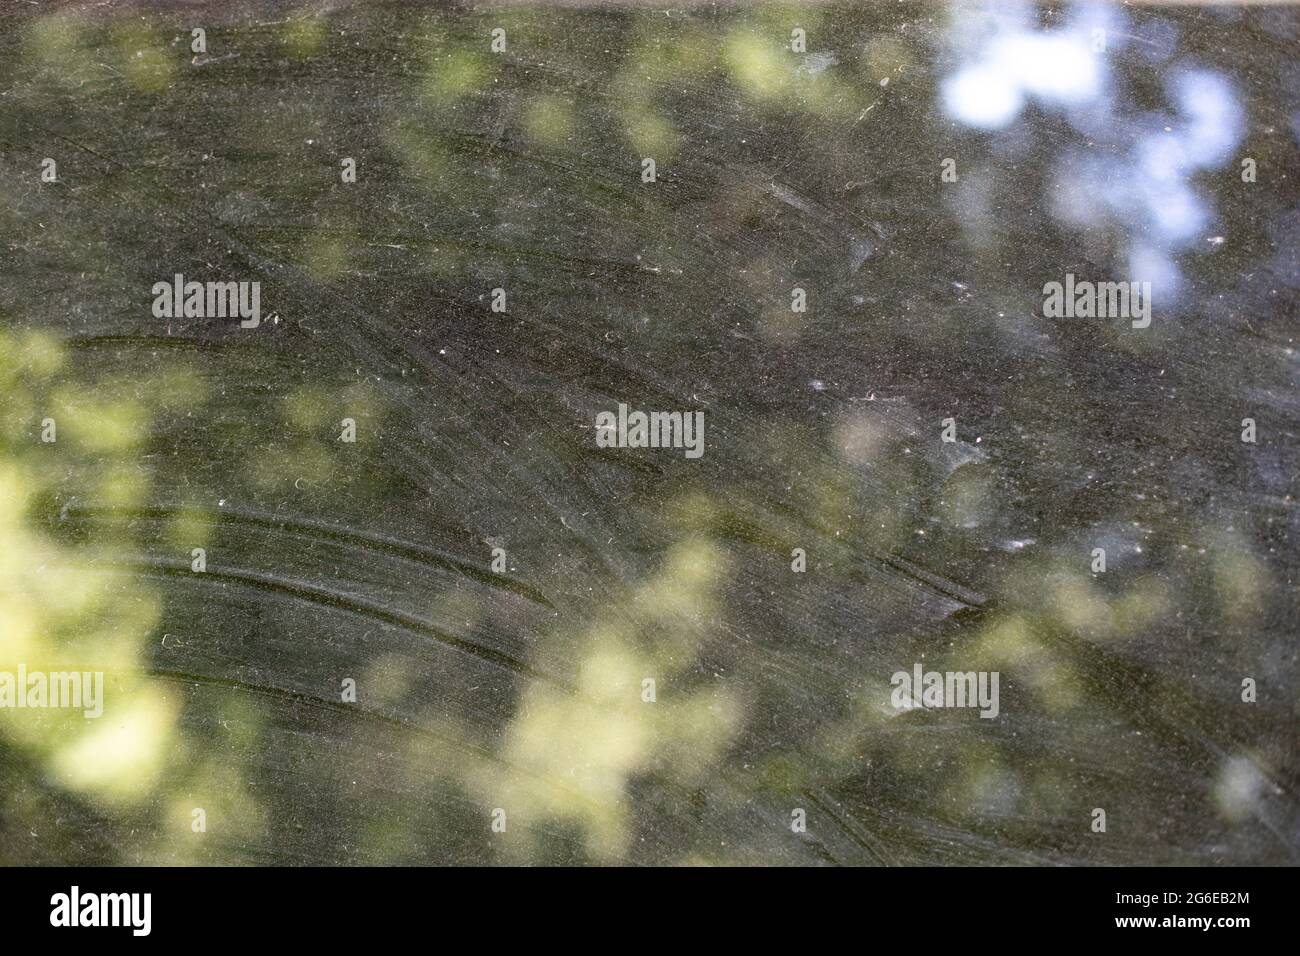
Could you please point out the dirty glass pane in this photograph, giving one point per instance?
(632, 434)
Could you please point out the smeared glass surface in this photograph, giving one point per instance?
(523, 690)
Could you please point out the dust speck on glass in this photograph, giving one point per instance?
(626, 434)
